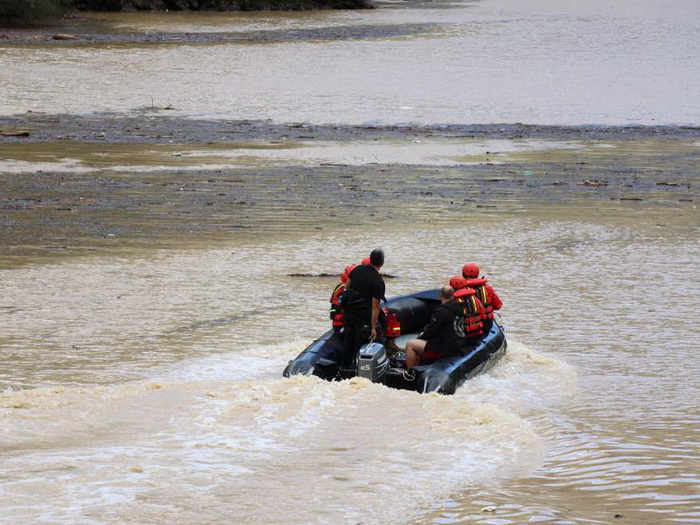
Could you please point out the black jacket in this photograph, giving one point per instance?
(445, 333)
(365, 284)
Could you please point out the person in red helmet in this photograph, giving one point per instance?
(366, 261)
(474, 313)
(484, 291)
(336, 312)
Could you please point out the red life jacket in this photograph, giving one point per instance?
(473, 312)
(393, 325)
(336, 314)
(479, 286)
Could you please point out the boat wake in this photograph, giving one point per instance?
(212, 440)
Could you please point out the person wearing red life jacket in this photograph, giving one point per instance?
(474, 313)
(484, 291)
(366, 261)
(443, 336)
(336, 312)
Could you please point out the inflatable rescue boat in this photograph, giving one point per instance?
(321, 358)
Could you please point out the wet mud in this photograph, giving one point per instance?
(151, 125)
(323, 34)
(104, 207)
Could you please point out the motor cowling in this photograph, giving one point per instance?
(372, 362)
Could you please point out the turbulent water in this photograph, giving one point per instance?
(148, 390)
(145, 387)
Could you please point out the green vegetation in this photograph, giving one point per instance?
(38, 9)
(30, 9)
(214, 5)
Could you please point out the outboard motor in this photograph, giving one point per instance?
(372, 362)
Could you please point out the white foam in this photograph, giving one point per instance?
(261, 445)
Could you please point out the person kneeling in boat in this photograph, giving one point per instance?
(484, 291)
(444, 335)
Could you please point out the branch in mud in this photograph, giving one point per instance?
(337, 275)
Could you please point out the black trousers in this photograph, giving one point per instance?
(355, 335)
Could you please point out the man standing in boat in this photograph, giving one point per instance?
(365, 288)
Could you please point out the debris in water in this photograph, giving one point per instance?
(490, 508)
(324, 274)
(14, 133)
(593, 182)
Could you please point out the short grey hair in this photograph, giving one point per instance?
(447, 292)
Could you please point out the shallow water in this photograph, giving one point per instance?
(81, 157)
(540, 62)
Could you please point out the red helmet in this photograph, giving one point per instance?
(458, 282)
(365, 261)
(470, 270)
(346, 274)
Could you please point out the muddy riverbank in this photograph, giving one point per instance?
(82, 185)
(151, 125)
(71, 35)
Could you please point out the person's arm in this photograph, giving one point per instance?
(375, 317)
(495, 300)
(377, 296)
(434, 327)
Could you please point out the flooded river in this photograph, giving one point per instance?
(147, 308)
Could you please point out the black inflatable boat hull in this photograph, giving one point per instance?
(444, 375)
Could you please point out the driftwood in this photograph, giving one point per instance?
(336, 275)
(14, 133)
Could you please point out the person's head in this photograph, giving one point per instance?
(376, 258)
(365, 261)
(346, 274)
(458, 282)
(470, 271)
(446, 293)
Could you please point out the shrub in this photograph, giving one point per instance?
(29, 9)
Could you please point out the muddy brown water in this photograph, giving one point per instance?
(486, 61)
(146, 306)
